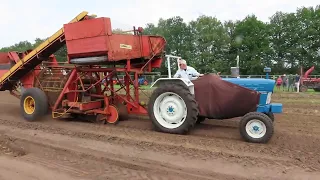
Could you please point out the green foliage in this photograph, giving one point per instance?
(177, 35)
(285, 43)
(22, 46)
(251, 42)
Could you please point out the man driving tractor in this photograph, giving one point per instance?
(186, 71)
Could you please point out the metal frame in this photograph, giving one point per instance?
(75, 87)
(186, 82)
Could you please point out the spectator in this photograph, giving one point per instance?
(291, 81)
(297, 82)
(279, 82)
(284, 82)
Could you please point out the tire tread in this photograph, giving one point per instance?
(191, 103)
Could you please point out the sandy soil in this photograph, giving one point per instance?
(64, 149)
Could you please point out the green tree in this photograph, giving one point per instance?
(177, 34)
(20, 47)
(210, 44)
(251, 43)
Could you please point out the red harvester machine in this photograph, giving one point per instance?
(308, 82)
(95, 54)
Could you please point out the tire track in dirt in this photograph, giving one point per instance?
(45, 150)
(289, 148)
(193, 147)
(9, 149)
(53, 145)
(98, 170)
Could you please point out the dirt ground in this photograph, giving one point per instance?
(66, 150)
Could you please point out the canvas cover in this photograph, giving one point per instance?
(219, 99)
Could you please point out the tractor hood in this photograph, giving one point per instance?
(256, 84)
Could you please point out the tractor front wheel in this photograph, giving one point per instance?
(173, 109)
(271, 116)
(256, 127)
(34, 104)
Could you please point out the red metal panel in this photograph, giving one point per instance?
(83, 106)
(152, 45)
(94, 38)
(5, 63)
(94, 46)
(87, 29)
(124, 47)
(88, 38)
(4, 58)
(14, 56)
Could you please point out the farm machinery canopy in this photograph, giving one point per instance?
(84, 85)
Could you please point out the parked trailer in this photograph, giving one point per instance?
(307, 82)
(85, 85)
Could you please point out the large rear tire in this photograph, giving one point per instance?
(200, 119)
(33, 104)
(173, 109)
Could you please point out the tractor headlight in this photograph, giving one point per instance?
(269, 98)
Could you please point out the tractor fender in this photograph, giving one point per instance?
(185, 82)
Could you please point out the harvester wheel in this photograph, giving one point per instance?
(173, 109)
(123, 111)
(113, 118)
(303, 88)
(34, 104)
(256, 127)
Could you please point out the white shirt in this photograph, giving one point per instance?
(187, 74)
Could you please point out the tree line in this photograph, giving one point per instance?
(287, 42)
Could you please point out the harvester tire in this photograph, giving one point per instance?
(303, 88)
(123, 111)
(34, 104)
(173, 109)
(258, 122)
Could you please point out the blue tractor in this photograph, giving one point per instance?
(265, 87)
(254, 126)
(173, 107)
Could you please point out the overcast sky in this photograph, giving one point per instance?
(29, 19)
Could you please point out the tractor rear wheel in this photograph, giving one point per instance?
(200, 119)
(33, 104)
(256, 127)
(173, 109)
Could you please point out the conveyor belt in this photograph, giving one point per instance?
(35, 57)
